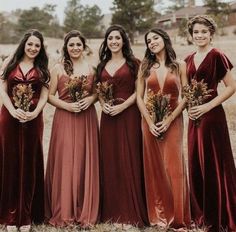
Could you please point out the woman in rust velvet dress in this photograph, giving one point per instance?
(212, 172)
(164, 169)
(122, 192)
(21, 153)
(72, 175)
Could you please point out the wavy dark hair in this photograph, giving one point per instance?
(105, 53)
(66, 60)
(150, 58)
(40, 61)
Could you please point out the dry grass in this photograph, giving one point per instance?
(226, 44)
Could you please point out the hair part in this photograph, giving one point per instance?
(40, 61)
(204, 20)
(150, 59)
(66, 60)
(105, 53)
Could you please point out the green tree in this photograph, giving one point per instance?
(219, 11)
(134, 15)
(91, 26)
(74, 14)
(83, 18)
(41, 19)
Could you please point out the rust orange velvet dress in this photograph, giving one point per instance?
(122, 187)
(72, 174)
(164, 169)
(21, 159)
(212, 172)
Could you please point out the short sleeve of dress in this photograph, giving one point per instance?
(223, 64)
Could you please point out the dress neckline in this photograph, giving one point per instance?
(116, 69)
(203, 60)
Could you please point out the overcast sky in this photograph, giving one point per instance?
(9, 5)
(104, 5)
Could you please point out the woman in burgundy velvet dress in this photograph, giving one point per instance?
(212, 172)
(21, 129)
(122, 189)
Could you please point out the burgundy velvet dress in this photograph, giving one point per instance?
(212, 172)
(167, 191)
(21, 159)
(72, 175)
(122, 187)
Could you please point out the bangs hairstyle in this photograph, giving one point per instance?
(150, 59)
(105, 53)
(66, 60)
(202, 19)
(40, 61)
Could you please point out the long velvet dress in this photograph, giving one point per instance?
(21, 159)
(72, 174)
(212, 172)
(167, 191)
(122, 189)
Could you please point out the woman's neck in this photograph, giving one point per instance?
(117, 56)
(27, 60)
(205, 49)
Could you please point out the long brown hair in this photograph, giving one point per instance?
(150, 59)
(40, 61)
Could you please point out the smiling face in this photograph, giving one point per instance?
(201, 35)
(115, 42)
(32, 47)
(155, 43)
(75, 47)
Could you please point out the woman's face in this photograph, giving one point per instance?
(115, 42)
(32, 47)
(201, 35)
(75, 47)
(155, 42)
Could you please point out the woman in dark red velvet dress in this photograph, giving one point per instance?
(21, 153)
(212, 172)
(122, 189)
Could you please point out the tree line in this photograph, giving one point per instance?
(135, 15)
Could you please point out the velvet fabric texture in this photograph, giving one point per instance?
(21, 159)
(72, 175)
(122, 188)
(167, 191)
(212, 172)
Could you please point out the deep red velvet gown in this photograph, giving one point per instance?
(122, 189)
(212, 172)
(21, 160)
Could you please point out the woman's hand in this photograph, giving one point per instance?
(196, 112)
(86, 102)
(73, 107)
(153, 129)
(106, 108)
(30, 116)
(163, 126)
(18, 114)
(117, 109)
